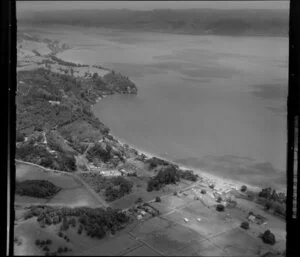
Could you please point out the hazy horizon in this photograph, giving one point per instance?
(24, 6)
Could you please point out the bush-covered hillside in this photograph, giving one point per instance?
(57, 107)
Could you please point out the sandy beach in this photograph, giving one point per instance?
(208, 178)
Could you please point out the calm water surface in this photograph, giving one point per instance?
(209, 102)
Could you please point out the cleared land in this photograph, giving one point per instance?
(71, 194)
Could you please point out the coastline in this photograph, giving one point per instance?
(208, 177)
(218, 181)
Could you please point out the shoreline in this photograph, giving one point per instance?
(218, 181)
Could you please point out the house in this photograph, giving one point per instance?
(143, 213)
(186, 219)
(199, 219)
(54, 102)
(139, 217)
(251, 218)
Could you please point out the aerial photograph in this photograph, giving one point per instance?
(151, 128)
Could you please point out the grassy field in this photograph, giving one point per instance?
(213, 235)
(216, 234)
(72, 193)
(28, 231)
(124, 243)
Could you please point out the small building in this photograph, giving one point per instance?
(139, 217)
(143, 213)
(54, 102)
(198, 219)
(251, 218)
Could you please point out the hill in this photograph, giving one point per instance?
(196, 21)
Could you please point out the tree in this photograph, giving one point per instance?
(212, 186)
(139, 200)
(80, 228)
(219, 199)
(157, 199)
(65, 224)
(243, 188)
(60, 250)
(245, 225)
(46, 248)
(95, 76)
(220, 207)
(20, 137)
(268, 237)
(268, 205)
(37, 242)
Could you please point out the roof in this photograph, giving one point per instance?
(251, 217)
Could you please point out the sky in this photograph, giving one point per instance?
(148, 5)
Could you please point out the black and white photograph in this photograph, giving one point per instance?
(151, 128)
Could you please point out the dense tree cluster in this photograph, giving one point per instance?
(169, 175)
(273, 201)
(243, 188)
(100, 151)
(41, 86)
(271, 194)
(119, 83)
(105, 153)
(188, 175)
(38, 154)
(268, 237)
(37, 188)
(245, 225)
(95, 222)
(220, 207)
(166, 176)
(155, 162)
(119, 186)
